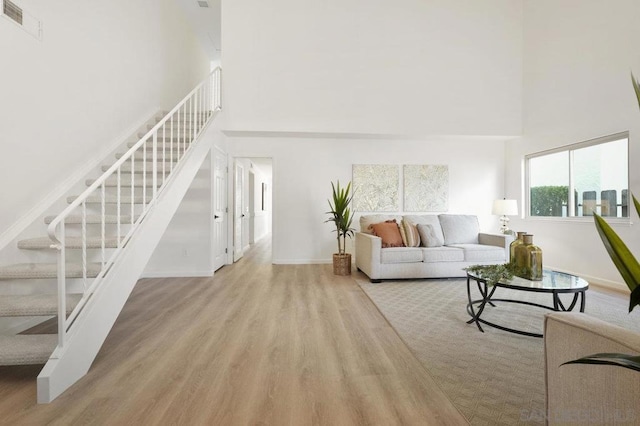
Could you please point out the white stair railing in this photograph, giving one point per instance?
(172, 137)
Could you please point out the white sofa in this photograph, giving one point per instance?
(580, 394)
(464, 245)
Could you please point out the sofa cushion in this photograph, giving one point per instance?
(412, 234)
(367, 220)
(389, 233)
(401, 255)
(426, 219)
(403, 234)
(481, 253)
(428, 236)
(459, 228)
(442, 254)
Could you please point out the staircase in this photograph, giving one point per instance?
(99, 245)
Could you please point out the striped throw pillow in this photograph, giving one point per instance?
(412, 234)
(403, 234)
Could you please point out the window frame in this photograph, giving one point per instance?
(571, 199)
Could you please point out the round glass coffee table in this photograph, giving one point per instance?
(553, 282)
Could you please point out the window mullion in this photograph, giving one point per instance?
(571, 207)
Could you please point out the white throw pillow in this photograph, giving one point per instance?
(459, 228)
(428, 236)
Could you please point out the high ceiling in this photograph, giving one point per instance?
(206, 24)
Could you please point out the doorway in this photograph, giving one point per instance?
(253, 195)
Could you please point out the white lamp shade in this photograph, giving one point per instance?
(505, 207)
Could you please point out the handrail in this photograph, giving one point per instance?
(188, 119)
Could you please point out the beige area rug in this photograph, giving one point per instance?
(495, 377)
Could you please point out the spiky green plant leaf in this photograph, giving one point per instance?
(340, 213)
(636, 88)
(629, 268)
(621, 256)
(621, 360)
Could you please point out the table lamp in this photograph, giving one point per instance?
(504, 208)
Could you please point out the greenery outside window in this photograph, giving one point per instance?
(580, 179)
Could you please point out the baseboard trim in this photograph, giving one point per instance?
(302, 261)
(61, 190)
(179, 274)
(617, 286)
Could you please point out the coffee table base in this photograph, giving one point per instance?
(487, 298)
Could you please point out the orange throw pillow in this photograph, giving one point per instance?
(389, 233)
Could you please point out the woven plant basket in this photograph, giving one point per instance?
(342, 264)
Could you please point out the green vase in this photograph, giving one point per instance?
(515, 243)
(528, 259)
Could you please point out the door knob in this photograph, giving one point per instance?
(215, 216)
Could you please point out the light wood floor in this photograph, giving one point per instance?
(256, 344)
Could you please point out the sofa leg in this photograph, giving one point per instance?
(375, 281)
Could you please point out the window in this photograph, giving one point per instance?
(580, 179)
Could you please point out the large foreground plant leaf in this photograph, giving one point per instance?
(621, 360)
(622, 257)
(636, 87)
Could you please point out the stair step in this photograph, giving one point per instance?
(92, 219)
(35, 305)
(176, 123)
(176, 145)
(176, 130)
(111, 199)
(176, 137)
(167, 158)
(46, 270)
(125, 169)
(70, 242)
(27, 349)
(188, 115)
(112, 181)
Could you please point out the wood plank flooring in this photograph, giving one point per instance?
(257, 344)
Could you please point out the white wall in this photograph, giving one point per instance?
(100, 67)
(577, 59)
(304, 168)
(408, 67)
(186, 248)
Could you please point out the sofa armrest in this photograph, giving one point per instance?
(368, 254)
(579, 393)
(498, 240)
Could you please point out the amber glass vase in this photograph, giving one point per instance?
(528, 259)
(515, 243)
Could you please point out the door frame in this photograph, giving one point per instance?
(238, 209)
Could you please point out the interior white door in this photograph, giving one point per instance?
(238, 209)
(219, 210)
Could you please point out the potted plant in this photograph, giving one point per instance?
(629, 269)
(341, 216)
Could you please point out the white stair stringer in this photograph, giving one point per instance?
(91, 327)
